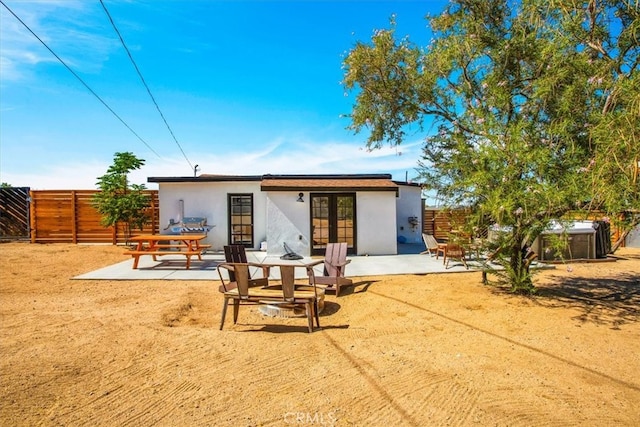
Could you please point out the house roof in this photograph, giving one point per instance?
(345, 182)
(328, 182)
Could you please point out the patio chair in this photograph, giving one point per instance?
(432, 245)
(454, 251)
(335, 262)
(285, 296)
(237, 254)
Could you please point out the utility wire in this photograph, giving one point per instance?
(80, 79)
(144, 82)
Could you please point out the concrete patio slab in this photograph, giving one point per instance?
(170, 267)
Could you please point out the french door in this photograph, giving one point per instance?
(333, 220)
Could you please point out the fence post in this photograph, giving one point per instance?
(32, 216)
(74, 218)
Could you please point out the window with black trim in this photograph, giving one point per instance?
(241, 219)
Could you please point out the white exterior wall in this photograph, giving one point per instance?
(288, 221)
(279, 218)
(409, 204)
(209, 200)
(376, 215)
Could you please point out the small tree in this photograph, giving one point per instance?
(535, 106)
(121, 202)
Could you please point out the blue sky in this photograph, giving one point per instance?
(247, 87)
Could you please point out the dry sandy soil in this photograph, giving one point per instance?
(407, 350)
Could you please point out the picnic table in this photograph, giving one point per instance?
(156, 245)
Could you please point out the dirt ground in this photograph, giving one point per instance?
(410, 350)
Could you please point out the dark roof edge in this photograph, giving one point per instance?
(206, 178)
(340, 176)
(238, 178)
(411, 184)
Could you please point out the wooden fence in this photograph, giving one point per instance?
(67, 216)
(440, 222)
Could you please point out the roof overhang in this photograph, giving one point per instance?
(332, 183)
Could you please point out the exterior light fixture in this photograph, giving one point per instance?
(300, 199)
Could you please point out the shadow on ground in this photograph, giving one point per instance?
(612, 302)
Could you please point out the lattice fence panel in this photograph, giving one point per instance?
(14, 213)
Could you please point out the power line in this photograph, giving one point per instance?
(145, 83)
(80, 79)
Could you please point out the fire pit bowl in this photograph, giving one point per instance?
(284, 311)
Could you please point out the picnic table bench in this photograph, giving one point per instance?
(161, 244)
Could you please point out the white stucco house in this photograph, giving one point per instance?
(371, 212)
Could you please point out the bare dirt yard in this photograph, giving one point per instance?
(410, 350)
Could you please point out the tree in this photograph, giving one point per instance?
(121, 202)
(534, 104)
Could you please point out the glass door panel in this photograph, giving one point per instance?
(345, 219)
(333, 221)
(320, 221)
